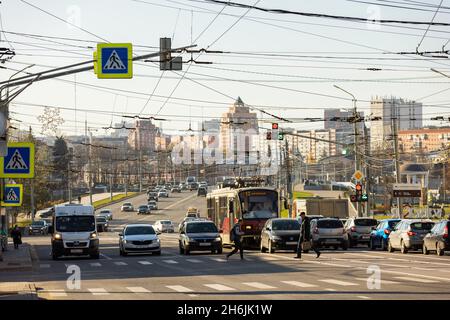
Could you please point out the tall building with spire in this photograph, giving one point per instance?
(238, 120)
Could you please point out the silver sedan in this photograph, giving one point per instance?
(139, 238)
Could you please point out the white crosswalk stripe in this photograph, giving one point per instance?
(179, 288)
(95, 264)
(145, 262)
(416, 279)
(339, 282)
(98, 291)
(219, 287)
(219, 259)
(138, 290)
(170, 261)
(194, 260)
(258, 285)
(382, 281)
(120, 263)
(299, 284)
(57, 293)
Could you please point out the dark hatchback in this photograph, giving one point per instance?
(200, 235)
(437, 239)
(280, 234)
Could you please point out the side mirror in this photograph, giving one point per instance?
(268, 228)
(50, 229)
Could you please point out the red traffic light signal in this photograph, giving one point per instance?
(274, 126)
(269, 135)
(353, 198)
(358, 187)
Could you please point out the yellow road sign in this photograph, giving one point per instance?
(358, 175)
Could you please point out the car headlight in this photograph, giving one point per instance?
(57, 236)
(124, 241)
(157, 240)
(93, 235)
(276, 238)
(218, 239)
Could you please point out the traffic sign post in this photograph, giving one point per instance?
(114, 61)
(406, 190)
(19, 161)
(12, 195)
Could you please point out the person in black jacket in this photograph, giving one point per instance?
(305, 235)
(17, 236)
(236, 234)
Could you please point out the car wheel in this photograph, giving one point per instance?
(383, 245)
(403, 248)
(219, 251)
(425, 249)
(371, 244)
(157, 253)
(55, 256)
(262, 248)
(344, 246)
(439, 251)
(271, 250)
(95, 256)
(390, 248)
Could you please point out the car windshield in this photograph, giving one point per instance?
(132, 231)
(259, 204)
(392, 223)
(105, 211)
(166, 222)
(100, 219)
(127, 204)
(143, 207)
(75, 223)
(329, 224)
(152, 202)
(285, 225)
(201, 228)
(38, 223)
(419, 226)
(366, 222)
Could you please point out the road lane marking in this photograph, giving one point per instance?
(145, 262)
(416, 279)
(218, 259)
(363, 297)
(138, 290)
(382, 281)
(299, 284)
(179, 288)
(330, 289)
(95, 264)
(180, 201)
(219, 287)
(105, 256)
(44, 265)
(338, 282)
(194, 260)
(170, 261)
(258, 285)
(98, 291)
(120, 263)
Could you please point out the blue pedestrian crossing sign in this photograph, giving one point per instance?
(114, 61)
(19, 161)
(12, 195)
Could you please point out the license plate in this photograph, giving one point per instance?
(365, 237)
(205, 244)
(141, 246)
(291, 242)
(330, 240)
(76, 251)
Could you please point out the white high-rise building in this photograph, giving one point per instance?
(407, 114)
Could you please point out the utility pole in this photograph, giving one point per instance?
(367, 173)
(69, 189)
(397, 162)
(32, 204)
(140, 166)
(288, 178)
(90, 164)
(111, 177)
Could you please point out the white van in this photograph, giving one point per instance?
(74, 231)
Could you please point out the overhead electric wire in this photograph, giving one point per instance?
(428, 28)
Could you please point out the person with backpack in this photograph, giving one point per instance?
(236, 236)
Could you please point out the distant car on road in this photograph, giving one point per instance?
(152, 196)
(163, 193)
(409, 234)
(102, 224)
(437, 239)
(200, 235)
(139, 238)
(192, 212)
(193, 186)
(359, 230)
(328, 232)
(183, 186)
(379, 237)
(201, 191)
(152, 205)
(127, 206)
(106, 213)
(38, 226)
(175, 189)
(280, 234)
(164, 226)
(143, 209)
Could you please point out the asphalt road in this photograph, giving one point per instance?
(335, 275)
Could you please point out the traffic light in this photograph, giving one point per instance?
(358, 188)
(359, 196)
(353, 198)
(364, 197)
(268, 135)
(274, 126)
(280, 136)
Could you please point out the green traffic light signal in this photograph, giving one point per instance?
(280, 136)
(364, 197)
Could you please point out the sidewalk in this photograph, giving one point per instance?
(16, 260)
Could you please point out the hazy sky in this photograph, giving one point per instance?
(291, 61)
